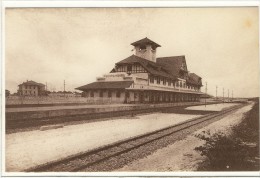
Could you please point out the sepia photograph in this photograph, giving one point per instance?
(127, 89)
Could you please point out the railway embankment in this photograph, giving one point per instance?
(237, 151)
(181, 155)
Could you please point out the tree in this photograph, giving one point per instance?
(7, 93)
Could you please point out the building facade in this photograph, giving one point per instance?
(31, 88)
(143, 78)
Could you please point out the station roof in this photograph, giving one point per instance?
(173, 64)
(194, 79)
(106, 85)
(145, 41)
(150, 66)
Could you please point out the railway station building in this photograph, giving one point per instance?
(144, 78)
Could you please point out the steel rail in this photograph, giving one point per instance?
(74, 163)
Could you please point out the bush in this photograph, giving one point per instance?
(223, 153)
(236, 152)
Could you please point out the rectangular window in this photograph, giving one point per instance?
(109, 94)
(164, 81)
(101, 94)
(129, 68)
(169, 82)
(91, 94)
(118, 94)
(127, 94)
(134, 69)
(151, 79)
(158, 80)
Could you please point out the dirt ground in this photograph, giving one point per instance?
(31, 148)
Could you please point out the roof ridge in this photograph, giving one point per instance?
(170, 56)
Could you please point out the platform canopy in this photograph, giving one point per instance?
(106, 85)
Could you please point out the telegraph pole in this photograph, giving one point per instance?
(206, 95)
(232, 95)
(223, 94)
(216, 92)
(228, 94)
(64, 88)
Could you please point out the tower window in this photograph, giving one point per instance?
(142, 47)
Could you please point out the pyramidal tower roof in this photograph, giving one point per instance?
(145, 41)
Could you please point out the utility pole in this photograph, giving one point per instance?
(232, 95)
(64, 88)
(228, 94)
(216, 92)
(223, 94)
(206, 95)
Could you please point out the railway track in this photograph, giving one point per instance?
(84, 160)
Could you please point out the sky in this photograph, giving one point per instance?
(79, 44)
